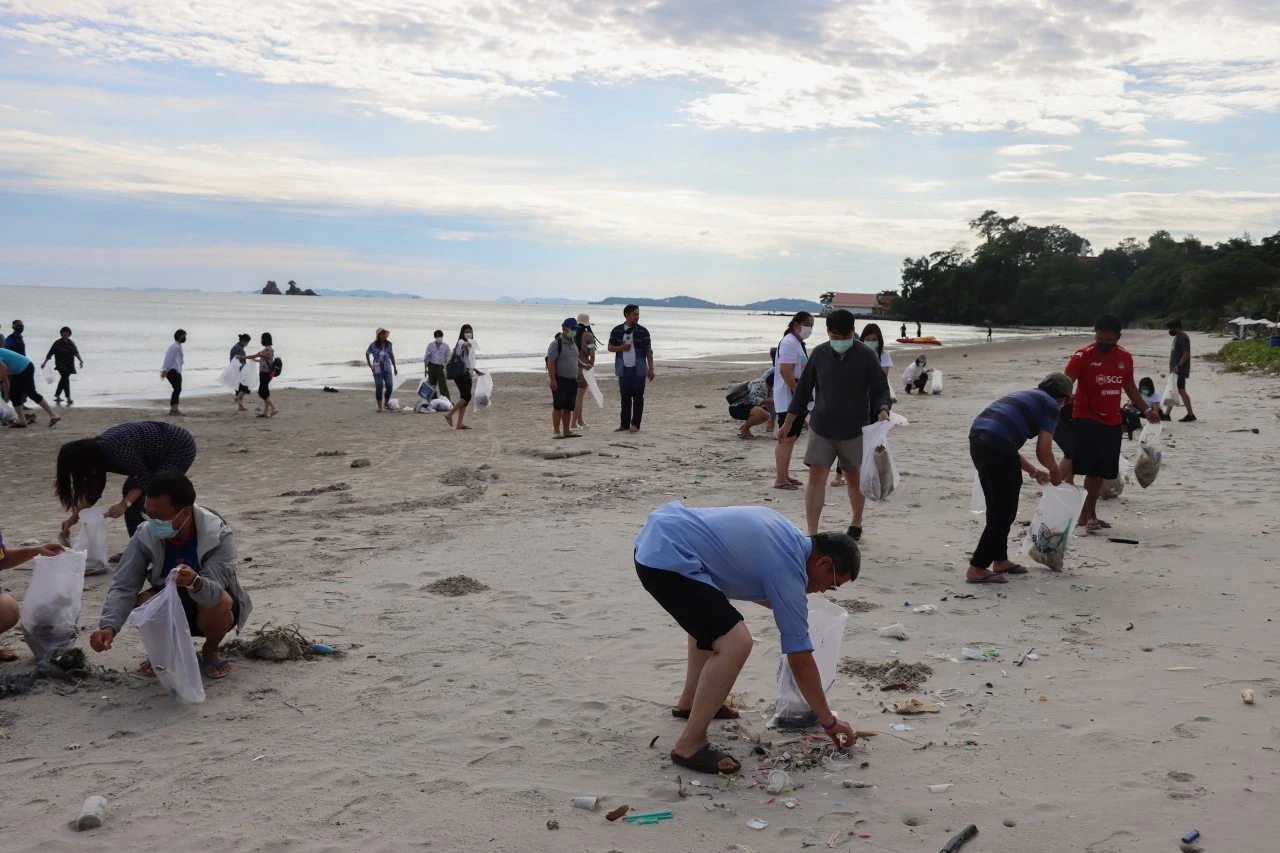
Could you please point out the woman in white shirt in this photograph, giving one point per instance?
(792, 357)
(464, 356)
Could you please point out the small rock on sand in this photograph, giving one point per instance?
(360, 463)
(456, 585)
(1010, 822)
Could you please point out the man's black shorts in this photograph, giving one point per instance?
(1064, 437)
(1182, 382)
(703, 611)
(565, 397)
(1096, 450)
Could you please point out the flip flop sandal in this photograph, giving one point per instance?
(212, 667)
(993, 578)
(706, 760)
(725, 713)
(1015, 569)
(786, 487)
(146, 669)
(793, 481)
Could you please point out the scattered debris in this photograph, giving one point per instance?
(63, 664)
(1028, 656)
(960, 839)
(757, 823)
(1248, 697)
(911, 675)
(360, 463)
(553, 824)
(911, 706)
(323, 453)
(464, 476)
(274, 644)
(318, 490)
(925, 608)
(941, 789)
(855, 605)
(896, 631)
(92, 813)
(456, 585)
(655, 740)
(587, 804)
(617, 813)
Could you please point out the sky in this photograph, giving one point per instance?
(728, 149)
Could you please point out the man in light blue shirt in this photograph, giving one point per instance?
(692, 561)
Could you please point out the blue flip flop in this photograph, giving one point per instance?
(994, 577)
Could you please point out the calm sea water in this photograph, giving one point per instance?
(123, 334)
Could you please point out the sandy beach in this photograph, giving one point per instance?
(468, 723)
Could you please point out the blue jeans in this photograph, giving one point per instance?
(383, 384)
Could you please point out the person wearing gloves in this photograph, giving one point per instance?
(995, 439)
(197, 544)
(916, 375)
(693, 561)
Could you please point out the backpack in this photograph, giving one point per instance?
(738, 393)
(455, 369)
(277, 367)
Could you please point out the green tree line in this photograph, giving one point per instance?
(1031, 275)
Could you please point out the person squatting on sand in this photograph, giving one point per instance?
(849, 390)
(195, 542)
(995, 439)
(692, 561)
(10, 612)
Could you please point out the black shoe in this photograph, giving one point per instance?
(57, 401)
(855, 532)
(1131, 435)
(1165, 417)
(1189, 419)
(69, 403)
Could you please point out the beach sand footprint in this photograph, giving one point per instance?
(1176, 784)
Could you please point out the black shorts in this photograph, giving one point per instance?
(1097, 449)
(189, 608)
(1064, 437)
(703, 611)
(22, 387)
(797, 427)
(1182, 383)
(565, 397)
(464, 387)
(242, 389)
(740, 411)
(264, 386)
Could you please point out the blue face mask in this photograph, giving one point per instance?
(161, 528)
(842, 346)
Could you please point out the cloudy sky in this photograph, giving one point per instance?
(729, 149)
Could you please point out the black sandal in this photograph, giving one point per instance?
(707, 760)
(725, 713)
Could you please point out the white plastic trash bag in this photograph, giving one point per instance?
(483, 393)
(439, 404)
(249, 374)
(231, 375)
(592, 386)
(1115, 488)
(48, 373)
(826, 631)
(92, 538)
(935, 382)
(51, 607)
(1150, 455)
(1171, 397)
(1051, 526)
(878, 476)
(166, 638)
(978, 498)
(393, 404)
(7, 414)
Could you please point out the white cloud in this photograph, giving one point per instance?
(1021, 151)
(923, 186)
(1156, 143)
(756, 64)
(1158, 161)
(1030, 176)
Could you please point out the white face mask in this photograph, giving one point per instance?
(467, 336)
(805, 332)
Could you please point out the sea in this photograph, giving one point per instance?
(123, 335)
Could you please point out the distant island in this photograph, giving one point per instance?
(787, 306)
(273, 289)
(539, 300)
(369, 294)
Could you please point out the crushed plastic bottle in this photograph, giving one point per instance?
(973, 654)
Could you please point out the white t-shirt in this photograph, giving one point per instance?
(790, 351)
(885, 361)
(628, 356)
(467, 354)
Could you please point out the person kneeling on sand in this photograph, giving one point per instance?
(692, 561)
(196, 543)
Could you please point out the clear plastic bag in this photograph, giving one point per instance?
(977, 498)
(47, 370)
(7, 414)
(92, 538)
(589, 375)
(166, 638)
(826, 631)
(231, 375)
(1171, 397)
(51, 607)
(877, 476)
(249, 374)
(483, 393)
(1150, 455)
(1051, 526)
(935, 382)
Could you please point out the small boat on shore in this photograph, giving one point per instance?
(927, 340)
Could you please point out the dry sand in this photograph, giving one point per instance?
(467, 723)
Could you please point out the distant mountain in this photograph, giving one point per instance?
(506, 299)
(372, 294)
(782, 305)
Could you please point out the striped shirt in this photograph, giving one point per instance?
(1009, 422)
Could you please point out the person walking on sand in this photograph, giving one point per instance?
(171, 370)
(1180, 367)
(793, 355)
(586, 340)
(851, 391)
(995, 439)
(435, 359)
(562, 376)
(632, 364)
(381, 359)
(874, 338)
(20, 372)
(238, 356)
(1102, 371)
(988, 334)
(461, 369)
(196, 545)
(266, 358)
(65, 355)
(693, 561)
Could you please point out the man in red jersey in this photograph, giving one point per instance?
(1103, 372)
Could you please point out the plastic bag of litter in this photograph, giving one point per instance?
(1171, 397)
(1150, 456)
(231, 375)
(592, 386)
(935, 382)
(51, 607)
(7, 414)
(249, 374)
(878, 476)
(483, 393)
(826, 631)
(166, 637)
(1051, 526)
(1115, 488)
(47, 370)
(393, 405)
(977, 498)
(92, 538)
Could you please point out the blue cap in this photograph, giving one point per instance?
(570, 323)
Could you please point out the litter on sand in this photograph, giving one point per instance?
(896, 631)
(911, 706)
(757, 823)
(276, 643)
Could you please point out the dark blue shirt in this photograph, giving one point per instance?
(1009, 422)
(181, 551)
(16, 343)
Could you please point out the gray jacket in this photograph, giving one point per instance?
(142, 564)
(851, 389)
